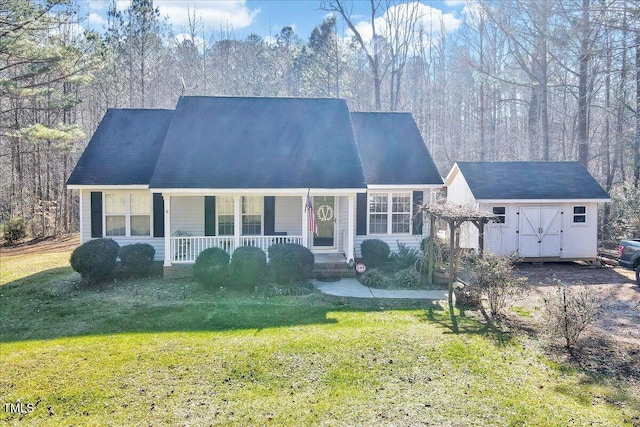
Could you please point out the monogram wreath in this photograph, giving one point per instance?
(324, 213)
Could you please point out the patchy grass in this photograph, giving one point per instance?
(170, 353)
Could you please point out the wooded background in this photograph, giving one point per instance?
(516, 80)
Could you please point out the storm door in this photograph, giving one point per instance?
(326, 211)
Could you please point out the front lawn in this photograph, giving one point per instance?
(155, 352)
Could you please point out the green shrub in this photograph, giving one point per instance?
(137, 258)
(409, 278)
(290, 262)
(95, 259)
(211, 267)
(374, 252)
(248, 266)
(14, 230)
(405, 257)
(373, 278)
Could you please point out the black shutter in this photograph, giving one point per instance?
(361, 214)
(158, 215)
(96, 214)
(418, 197)
(269, 215)
(209, 215)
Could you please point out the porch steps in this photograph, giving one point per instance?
(333, 270)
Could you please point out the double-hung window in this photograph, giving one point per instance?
(225, 215)
(389, 213)
(127, 214)
(252, 215)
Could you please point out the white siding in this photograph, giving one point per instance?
(288, 215)
(85, 212)
(85, 233)
(500, 239)
(187, 215)
(343, 222)
(579, 240)
(458, 192)
(576, 240)
(410, 240)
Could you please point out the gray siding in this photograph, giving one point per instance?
(288, 215)
(187, 215)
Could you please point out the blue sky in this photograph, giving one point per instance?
(263, 17)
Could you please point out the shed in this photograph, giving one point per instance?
(547, 211)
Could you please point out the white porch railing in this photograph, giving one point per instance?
(263, 242)
(187, 248)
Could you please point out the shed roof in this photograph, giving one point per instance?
(124, 148)
(246, 142)
(392, 150)
(530, 181)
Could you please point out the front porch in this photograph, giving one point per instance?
(193, 223)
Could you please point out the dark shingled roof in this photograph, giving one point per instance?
(392, 150)
(530, 180)
(220, 142)
(124, 148)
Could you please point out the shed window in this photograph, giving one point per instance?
(225, 215)
(500, 213)
(579, 214)
(127, 214)
(252, 215)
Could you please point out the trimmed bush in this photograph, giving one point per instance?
(14, 230)
(373, 278)
(137, 258)
(248, 266)
(95, 259)
(211, 267)
(290, 262)
(374, 252)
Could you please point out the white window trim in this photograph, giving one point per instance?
(389, 213)
(586, 216)
(127, 217)
(218, 215)
(506, 217)
(261, 198)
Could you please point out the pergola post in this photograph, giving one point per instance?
(452, 254)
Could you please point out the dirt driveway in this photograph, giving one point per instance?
(612, 345)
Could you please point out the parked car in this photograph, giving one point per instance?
(629, 252)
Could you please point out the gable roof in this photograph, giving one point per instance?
(124, 148)
(529, 181)
(392, 150)
(235, 142)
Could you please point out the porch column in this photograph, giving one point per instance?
(237, 221)
(167, 230)
(305, 223)
(350, 228)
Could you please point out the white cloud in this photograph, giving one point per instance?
(213, 14)
(455, 3)
(96, 20)
(430, 20)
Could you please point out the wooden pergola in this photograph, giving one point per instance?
(454, 215)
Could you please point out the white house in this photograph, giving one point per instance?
(229, 171)
(547, 211)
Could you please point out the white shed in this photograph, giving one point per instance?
(548, 211)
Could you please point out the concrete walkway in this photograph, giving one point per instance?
(350, 287)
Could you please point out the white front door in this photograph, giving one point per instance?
(539, 231)
(326, 209)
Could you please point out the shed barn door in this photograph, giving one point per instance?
(539, 231)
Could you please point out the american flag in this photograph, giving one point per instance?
(311, 215)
